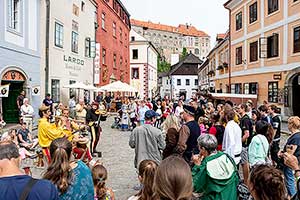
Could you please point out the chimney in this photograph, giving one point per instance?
(174, 59)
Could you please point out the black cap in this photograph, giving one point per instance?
(189, 109)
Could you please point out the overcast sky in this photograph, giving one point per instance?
(207, 15)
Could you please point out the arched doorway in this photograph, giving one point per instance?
(295, 95)
(16, 81)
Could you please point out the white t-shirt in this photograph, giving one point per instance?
(232, 141)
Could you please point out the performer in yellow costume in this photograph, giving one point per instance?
(47, 132)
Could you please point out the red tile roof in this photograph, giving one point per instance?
(221, 35)
(182, 29)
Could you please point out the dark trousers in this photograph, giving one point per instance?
(132, 120)
(274, 151)
(95, 136)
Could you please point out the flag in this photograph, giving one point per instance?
(4, 89)
(36, 91)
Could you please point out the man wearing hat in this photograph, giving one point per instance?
(188, 134)
(147, 140)
(46, 131)
(92, 119)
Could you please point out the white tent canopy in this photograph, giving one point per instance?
(79, 85)
(117, 86)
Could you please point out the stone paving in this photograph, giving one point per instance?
(117, 157)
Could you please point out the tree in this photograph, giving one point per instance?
(184, 53)
(162, 65)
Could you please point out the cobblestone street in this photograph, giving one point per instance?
(117, 157)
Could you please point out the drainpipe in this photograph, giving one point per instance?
(148, 70)
(47, 46)
(229, 52)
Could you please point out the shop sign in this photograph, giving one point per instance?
(35, 90)
(97, 64)
(277, 76)
(70, 59)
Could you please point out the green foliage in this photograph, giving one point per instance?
(163, 66)
(184, 53)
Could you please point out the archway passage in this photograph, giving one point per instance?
(16, 82)
(296, 96)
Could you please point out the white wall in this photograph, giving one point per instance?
(176, 89)
(61, 11)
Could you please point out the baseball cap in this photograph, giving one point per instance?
(150, 114)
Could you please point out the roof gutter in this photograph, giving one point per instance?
(229, 47)
(47, 46)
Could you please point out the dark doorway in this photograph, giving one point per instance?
(9, 104)
(182, 93)
(296, 96)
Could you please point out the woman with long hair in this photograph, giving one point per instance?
(173, 170)
(99, 178)
(267, 183)
(146, 173)
(260, 143)
(73, 179)
(171, 127)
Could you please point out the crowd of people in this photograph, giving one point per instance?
(184, 149)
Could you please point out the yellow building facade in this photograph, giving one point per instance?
(264, 52)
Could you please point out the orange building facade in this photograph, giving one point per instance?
(112, 37)
(264, 52)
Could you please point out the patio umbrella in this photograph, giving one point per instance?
(117, 86)
(77, 85)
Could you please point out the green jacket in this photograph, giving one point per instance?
(216, 178)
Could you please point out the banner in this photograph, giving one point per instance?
(35, 90)
(4, 89)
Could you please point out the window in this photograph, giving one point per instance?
(132, 38)
(250, 88)
(14, 14)
(238, 55)
(236, 88)
(87, 47)
(74, 45)
(272, 6)
(272, 46)
(103, 56)
(72, 91)
(58, 35)
(297, 39)
(187, 81)
(135, 54)
(253, 13)
(121, 34)
(103, 20)
(253, 88)
(196, 82)
(114, 29)
(238, 21)
(273, 92)
(82, 6)
(55, 90)
(254, 51)
(135, 73)
(115, 61)
(178, 81)
(197, 51)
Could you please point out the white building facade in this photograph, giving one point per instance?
(143, 65)
(72, 26)
(182, 80)
(19, 55)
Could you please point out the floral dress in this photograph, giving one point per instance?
(82, 187)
